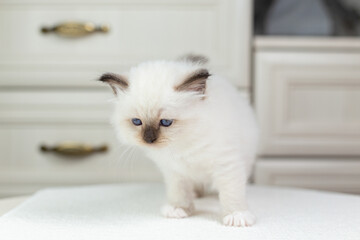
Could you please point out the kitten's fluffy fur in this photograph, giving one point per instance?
(212, 140)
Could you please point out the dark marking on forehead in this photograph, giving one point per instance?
(194, 58)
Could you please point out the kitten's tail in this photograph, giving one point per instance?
(194, 58)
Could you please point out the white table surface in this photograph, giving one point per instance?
(6, 204)
(131, 211)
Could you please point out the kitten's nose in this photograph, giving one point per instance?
(150, 140)
(150, 134)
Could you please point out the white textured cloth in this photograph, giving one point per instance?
(131, 211)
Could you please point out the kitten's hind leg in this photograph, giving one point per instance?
(179, 196)
(232, 188)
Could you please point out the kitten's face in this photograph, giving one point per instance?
(147, 126)
(151, 102)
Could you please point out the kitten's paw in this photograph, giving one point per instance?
(170, 211)
(239, 219)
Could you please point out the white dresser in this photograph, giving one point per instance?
(50, 101)
(307, 98)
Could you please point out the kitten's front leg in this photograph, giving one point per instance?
(232, 188)
(179, 196)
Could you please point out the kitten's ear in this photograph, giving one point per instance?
(195, 82)
(115, 81)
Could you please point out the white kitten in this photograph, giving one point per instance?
(195, 126)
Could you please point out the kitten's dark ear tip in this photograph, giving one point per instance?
(204, 73)
(105, 77)
(195, 82)
(115, 81)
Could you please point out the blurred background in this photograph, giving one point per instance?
(297, 62)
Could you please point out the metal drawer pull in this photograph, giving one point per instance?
(75, 29)
(73, 149)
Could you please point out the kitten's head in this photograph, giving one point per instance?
(154, 99)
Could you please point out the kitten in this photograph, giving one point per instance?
(195, 126)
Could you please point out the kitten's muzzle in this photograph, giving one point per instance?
(150, 134)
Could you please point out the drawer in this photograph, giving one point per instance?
(139, 30)
(308, 103)
(330, 174)
(55, 105)
(24, 167)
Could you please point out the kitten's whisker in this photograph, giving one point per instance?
(171, 152)
(118, 160)
(123, 161)
(114, 161)
(131, 163)
(128, 157)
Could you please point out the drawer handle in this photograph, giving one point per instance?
(75, 29)
(73, 149)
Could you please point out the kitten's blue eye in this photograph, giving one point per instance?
(136, 121)
(166, 122)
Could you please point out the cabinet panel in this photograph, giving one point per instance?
(308, 104)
